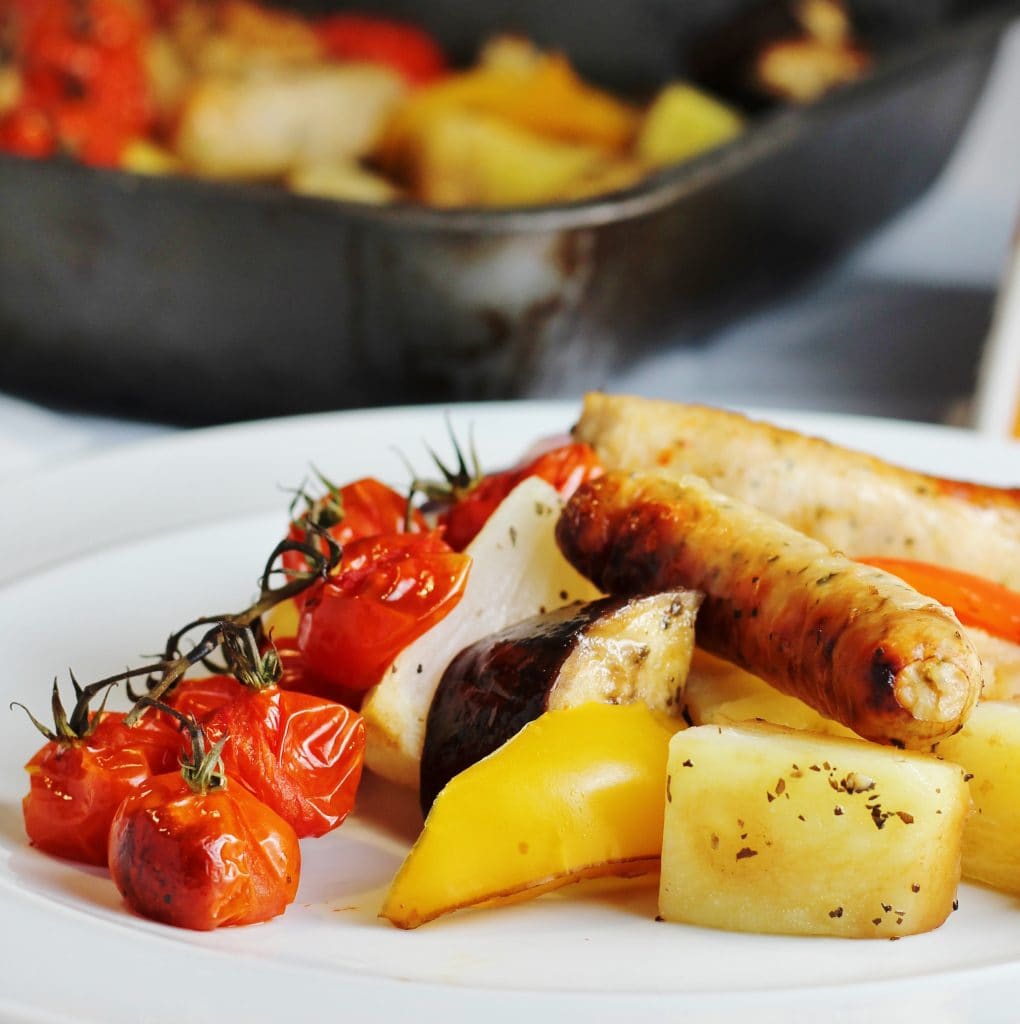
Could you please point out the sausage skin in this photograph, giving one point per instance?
(853, 502)
(857, 644)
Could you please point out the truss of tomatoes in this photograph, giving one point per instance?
(197, 803)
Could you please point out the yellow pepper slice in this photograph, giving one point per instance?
(577, 793)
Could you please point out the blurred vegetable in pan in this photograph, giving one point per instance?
(348, 106)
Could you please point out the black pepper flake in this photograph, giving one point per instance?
(838, 811)
(887, 907)
(876, 920)
(563, 595)
(815, 768)
(836, 912)
(745, 851)
(420, 668)
(770, 796)
(827, 578)
(801, 817)
(915, 887)
(956, 904)
(714, 842)
(686, 716)
(780, 787)
(737, 613)
(905, 817)
(513, 536)
(743, 835)
(669, 791)
(754, 613)
(967, 776)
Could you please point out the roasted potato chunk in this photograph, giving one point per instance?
(771, 830)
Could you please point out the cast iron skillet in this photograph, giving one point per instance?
(193, 302)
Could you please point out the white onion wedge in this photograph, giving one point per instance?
(517, 571)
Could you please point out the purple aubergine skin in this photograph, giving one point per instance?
(495, 687)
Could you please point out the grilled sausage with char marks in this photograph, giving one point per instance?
(853, 502)
(857, 644)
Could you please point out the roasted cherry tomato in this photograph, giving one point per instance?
(363, 508)
(200, 696)
(76, 785)
(85, 83)
(296, 675)
(202, 858)
(977, 602)
(566, 468)
(28, 131)
(388, 592)
(300, 755)
(405, 48)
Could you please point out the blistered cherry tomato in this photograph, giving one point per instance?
(77, 785)
(199, 696)
(301, 755)
(202, 859)
(566, 468)
(388, 592)
(84, 80)
(363, 508)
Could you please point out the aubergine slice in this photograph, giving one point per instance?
(615, 650)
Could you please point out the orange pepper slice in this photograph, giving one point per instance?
(977, 601)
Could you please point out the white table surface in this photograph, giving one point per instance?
(894, 330)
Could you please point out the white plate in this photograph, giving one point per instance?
(102, 558)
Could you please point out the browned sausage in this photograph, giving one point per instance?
(857, 644)
(853, 502)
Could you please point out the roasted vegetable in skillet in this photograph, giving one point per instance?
(348, 106)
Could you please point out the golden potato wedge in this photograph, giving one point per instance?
(772, 830)
(683, 122)
(472, 159)
(988, 748)
(342, 179)
(720, 693)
